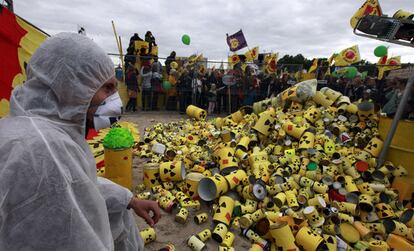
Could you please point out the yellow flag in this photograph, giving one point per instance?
(234, 59)
(314, 66)
(271, 62)
(199, 57)
(194, 58)
(348, 56)
(252, 54)
(392, 63)
(369, 8)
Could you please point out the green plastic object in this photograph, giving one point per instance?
(351, 72)
(312, 166)
(381, 51)
(186, 39)
(166, 85)
(118, 138)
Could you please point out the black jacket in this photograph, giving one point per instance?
(184, 83)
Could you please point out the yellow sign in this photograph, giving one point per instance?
(369, 8)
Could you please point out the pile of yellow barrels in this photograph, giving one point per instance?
(301, 176)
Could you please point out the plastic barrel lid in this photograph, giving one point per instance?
(353, 118)
(312, 166)
(311, 151)
(342, 118)
(361, 166)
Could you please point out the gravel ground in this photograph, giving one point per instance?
(167, 230)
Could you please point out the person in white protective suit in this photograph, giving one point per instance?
(50, 197)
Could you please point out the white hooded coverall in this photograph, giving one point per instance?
(50, 197)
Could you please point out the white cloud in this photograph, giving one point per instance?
(315, 28)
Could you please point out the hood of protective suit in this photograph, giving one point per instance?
(63, 75)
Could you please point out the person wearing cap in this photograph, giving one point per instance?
(50, 196)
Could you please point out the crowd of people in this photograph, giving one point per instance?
(386, 94)
(207, 90)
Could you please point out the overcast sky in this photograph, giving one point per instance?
(315, 28)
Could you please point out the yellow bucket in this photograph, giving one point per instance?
(151, 174)
(196, 112)
(148, 235)
(235, 178)
(118, 166)
(204, 235)
(307, 140)
(195, 244)
(181, 216)
(244, 143)
(172, 171)
(332, 94)
(374, 146)
(399, 243)
(224, 210)
(219, 232)
(293, 130)
(228, 240)
(210, 188)
(200, 218)
(312, 114)
(236, 116)
(365, 111)
(403, 14)
(309, 240)
(265, 123)
(322, 99)
(283, 236)
(378, 245)
(191, 184)
(226, 159)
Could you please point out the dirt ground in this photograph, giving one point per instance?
(167, 230)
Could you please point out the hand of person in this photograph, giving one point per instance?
(143, 208)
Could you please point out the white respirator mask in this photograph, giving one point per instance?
(108, 112)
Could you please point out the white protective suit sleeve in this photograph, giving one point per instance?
(123, 227)
(50, 198)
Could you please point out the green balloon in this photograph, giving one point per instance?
(380, 51)
(351, 72)
(166, 85)
(186, 39)
(334, 74)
